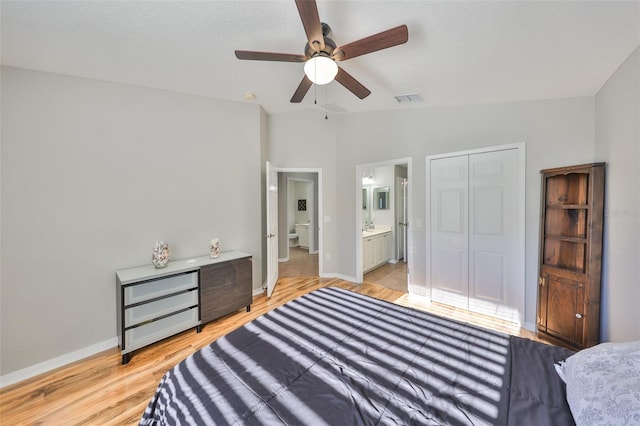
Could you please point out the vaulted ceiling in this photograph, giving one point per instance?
(459, 52)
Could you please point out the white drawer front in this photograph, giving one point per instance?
(149, 311)
(159, 287)
(149, 333)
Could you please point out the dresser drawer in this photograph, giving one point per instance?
(160, 287)
(159, 308)
(143, 335)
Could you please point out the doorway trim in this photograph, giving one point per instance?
(312, 219)
(318, 222)
(520, 147)
(360, 169)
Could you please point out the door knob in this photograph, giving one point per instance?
(578, 316)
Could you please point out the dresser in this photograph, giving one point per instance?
(154, 304)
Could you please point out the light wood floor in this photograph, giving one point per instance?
(303, 264)
(101, 391)
(390, 275)
(300, 264)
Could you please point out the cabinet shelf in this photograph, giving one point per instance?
(568, 206)
(567, 239)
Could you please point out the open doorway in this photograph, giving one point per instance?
(299, 209)
(383, 209)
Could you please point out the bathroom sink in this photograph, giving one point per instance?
(372, 232)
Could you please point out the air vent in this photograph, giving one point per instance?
(411, 98)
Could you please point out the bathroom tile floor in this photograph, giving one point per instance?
(300, 264)
(389, 275)
(303, 264)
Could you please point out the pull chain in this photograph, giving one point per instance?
(326, 104)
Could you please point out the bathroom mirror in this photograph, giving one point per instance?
(381, 198)
(366, 206)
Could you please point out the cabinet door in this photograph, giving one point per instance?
(386, 247)
(565, 298)
(224, 288)
(367, 253)
(382, 249)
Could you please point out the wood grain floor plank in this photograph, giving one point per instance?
(100, 390)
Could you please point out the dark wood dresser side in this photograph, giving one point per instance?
(225, 287)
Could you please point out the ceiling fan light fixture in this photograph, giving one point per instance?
(321, 70)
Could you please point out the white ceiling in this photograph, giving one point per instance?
(459, 52)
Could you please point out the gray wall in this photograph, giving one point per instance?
(305, 140)
(556, 132)
(618, 143)
(92, 174)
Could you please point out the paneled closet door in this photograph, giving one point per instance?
(495, 280)
(474, 234)
(450, 231)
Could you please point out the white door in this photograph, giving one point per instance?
(272, 228)
(475, 244)
(401, 218)
(449, 231)
(494, 275)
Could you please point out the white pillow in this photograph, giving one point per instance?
(603, 384)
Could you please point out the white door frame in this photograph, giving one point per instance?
(311, 207)
(521, 148)
(360, 169)
(271, 192)
(318, 222)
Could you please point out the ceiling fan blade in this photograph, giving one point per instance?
(379, 41)
(269, 56)
(308, 11)
(353, 85)
(302, 90)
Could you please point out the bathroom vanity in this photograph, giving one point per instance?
(376, 248)
(302, 229)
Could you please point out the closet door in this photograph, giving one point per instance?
(475, 247)
(450, 231)
(495, 278)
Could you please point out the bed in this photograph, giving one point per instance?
(341, 358)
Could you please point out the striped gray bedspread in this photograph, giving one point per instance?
(334, 357)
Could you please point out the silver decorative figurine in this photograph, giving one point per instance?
(160, 255)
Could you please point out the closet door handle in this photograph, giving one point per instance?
(578, 316)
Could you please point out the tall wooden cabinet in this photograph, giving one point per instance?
(572, 213)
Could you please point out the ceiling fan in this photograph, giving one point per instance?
(322, 53)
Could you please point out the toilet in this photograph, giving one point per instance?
(293, 240)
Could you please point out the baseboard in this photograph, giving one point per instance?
(530, 326)
(60, 361)
(283, 259)
(419, 290)
(342, 277)
(258, 292)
